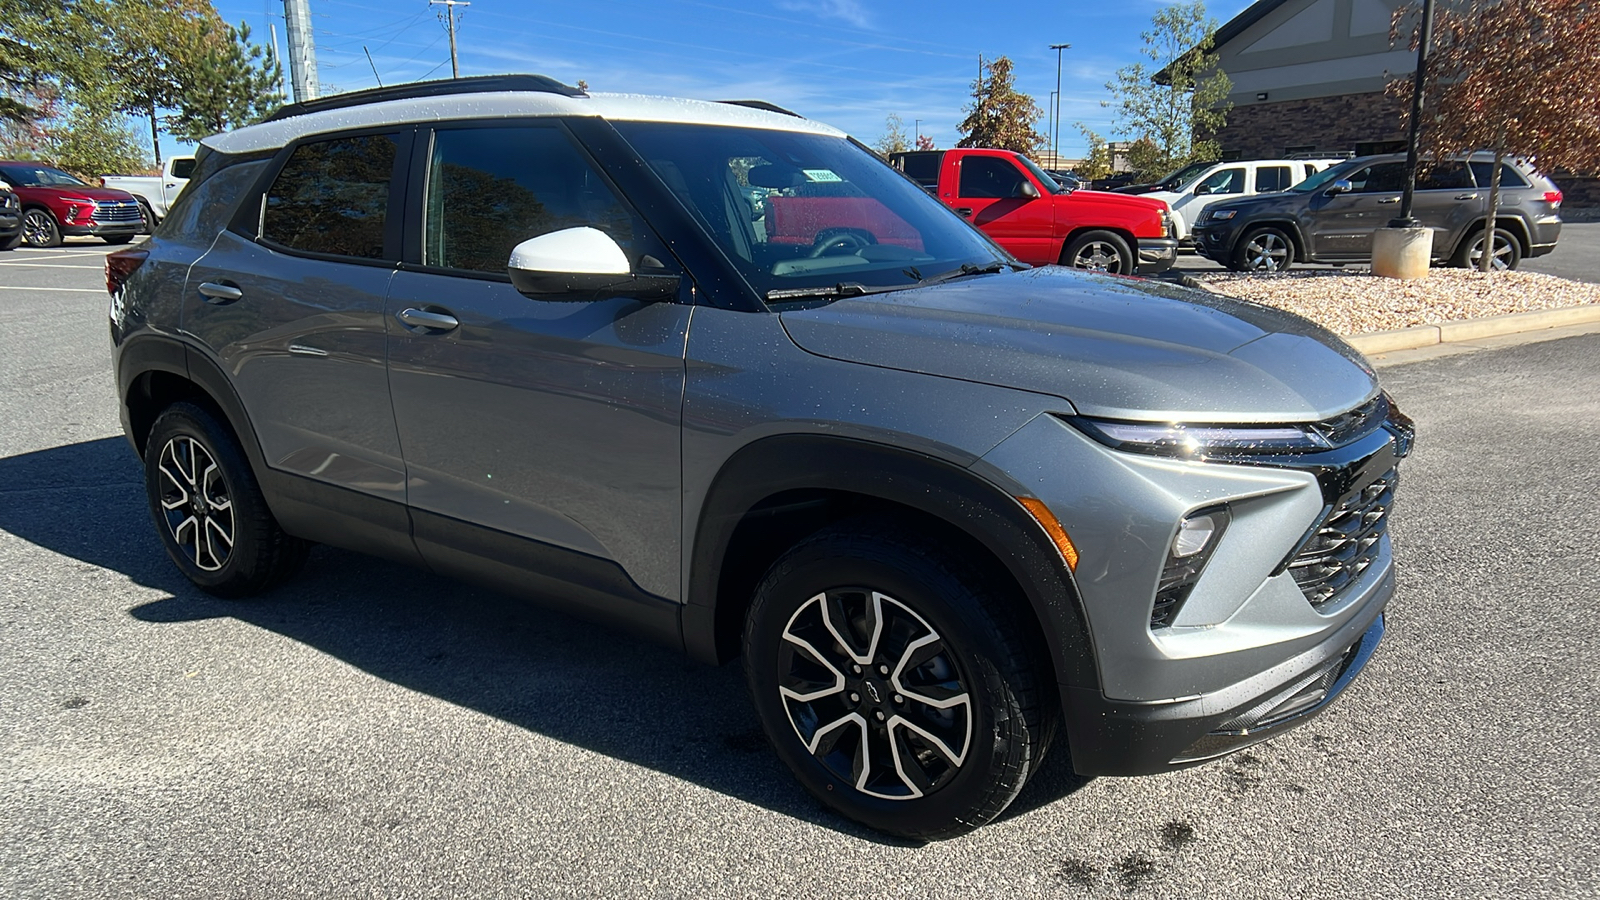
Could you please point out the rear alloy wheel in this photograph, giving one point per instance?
(207, 506)
(39, 229)
(895, 686)
(1264, 250)
(1507, 251)
(1099, 251)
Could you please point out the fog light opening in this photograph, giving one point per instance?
(1191, 548)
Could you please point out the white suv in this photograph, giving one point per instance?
(1230, 181)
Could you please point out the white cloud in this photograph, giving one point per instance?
(849, 11)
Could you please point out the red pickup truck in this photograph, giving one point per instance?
(1040, 222)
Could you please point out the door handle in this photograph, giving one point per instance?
(964, 212)
(1390, 200)
(1466, 196)
(219, 294)
(417, 318)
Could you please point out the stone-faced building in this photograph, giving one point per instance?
(1309, 76)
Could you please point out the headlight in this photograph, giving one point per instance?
(1222, 213)
(1200, 441)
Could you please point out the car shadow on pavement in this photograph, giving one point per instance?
(570, 680)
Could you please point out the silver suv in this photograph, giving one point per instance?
(1330, 217)
(949, 512)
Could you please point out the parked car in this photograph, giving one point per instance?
(944, 508)
(1229, 181)
(10, 219)
(1130, 183)
(155, 193)
(1067, 178)
(55, 203)
(1118, 182)
(1033, 217)
(1331, 216)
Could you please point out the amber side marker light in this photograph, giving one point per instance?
(1052, 526)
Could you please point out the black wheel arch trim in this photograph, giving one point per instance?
(960, 498)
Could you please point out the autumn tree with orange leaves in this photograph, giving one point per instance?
(1515, 77)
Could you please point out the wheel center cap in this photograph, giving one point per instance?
(872, 692)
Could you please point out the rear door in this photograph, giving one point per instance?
(1447, 201)
(1340, 226)
(989, 194)
(289, 303)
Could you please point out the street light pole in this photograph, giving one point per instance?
(1405, 220)
(917, 127)
(1055, 139)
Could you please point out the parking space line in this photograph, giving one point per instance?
(33, 265)
(13, 287)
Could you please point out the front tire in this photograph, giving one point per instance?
(39, 228)
(895, 685)
(118, 239)
(209, 510)
(1266, 249)
(1100, 251)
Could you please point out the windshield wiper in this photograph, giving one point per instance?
(855, 289)
(965, 270)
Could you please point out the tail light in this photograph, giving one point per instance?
(120, 266)
(1552, 197)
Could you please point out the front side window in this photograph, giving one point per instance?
(333, 197)
(1227, 181)
(989, 177)
(490, 189)
(1379, 178)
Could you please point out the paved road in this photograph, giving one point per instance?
(1577, 256)
(369, 730)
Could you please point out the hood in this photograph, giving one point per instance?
(1112, 347)
(1278, 201)
(1087, 195)
(86, 192)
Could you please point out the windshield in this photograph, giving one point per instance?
(35, 176)
(1186, 174)
(1045, 180)
(796, 211)
(1325, 177)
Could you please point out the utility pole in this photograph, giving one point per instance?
(302, 50)
(1055, 139)
(450, 22)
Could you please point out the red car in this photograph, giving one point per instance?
(55, 204)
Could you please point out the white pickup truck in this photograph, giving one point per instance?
(155, 192)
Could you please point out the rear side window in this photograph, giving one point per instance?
(1272, 178)
(333, 197)
(988, 176)
(1445, 176)
(490, 189)
(1509, 177)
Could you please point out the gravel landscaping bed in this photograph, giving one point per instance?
(1358, 302)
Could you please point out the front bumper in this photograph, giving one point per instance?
(1156, 255)
(1110, 737)
(1214, 242)
(101, 229)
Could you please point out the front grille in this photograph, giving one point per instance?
(1346, 542)
(117, 211)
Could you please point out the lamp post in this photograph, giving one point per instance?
(1405, 220)
(1402, 248)
(917, 127)
(1055, 131)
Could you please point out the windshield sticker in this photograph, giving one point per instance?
(821, 175)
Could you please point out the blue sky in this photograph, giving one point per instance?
(849, 63)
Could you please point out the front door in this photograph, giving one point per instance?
(553, 421)
(1341, 225)
(990, 196)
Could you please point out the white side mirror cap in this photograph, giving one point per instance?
(582, 251)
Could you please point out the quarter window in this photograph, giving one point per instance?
(490, 189)
(333, 197)
(986, 177)
(1484, 172)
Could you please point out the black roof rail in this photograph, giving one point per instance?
(476, 85)
(763, 105)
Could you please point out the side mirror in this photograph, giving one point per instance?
(1342, 186)
(1027, 191)
(582, 264)
(1202, 189)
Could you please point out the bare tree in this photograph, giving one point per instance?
(894, 136)
(1512, 76)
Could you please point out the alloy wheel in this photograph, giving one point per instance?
(37, 228)
(874, 693)
(1098, 256)
(1502, 254)
(1267, 251)
(195, 503)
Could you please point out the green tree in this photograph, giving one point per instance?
(1097, 163)
(91, 139)
(894, 136)
(153, 47)
(234, 83)
(1000, 116)
(1180, 99)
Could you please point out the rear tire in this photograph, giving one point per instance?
(1100, 251)
(209, 510)
(1507, 250)
(895, 684)
(1264, 249)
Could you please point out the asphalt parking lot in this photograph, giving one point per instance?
(371, 730)
(1577, 256)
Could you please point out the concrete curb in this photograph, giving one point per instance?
(1473, 329)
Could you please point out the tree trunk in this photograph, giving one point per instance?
(155, 135)
(1486, 262)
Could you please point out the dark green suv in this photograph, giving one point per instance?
(1330, 216)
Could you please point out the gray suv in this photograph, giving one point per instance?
(1330, 217)
(951, 513)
